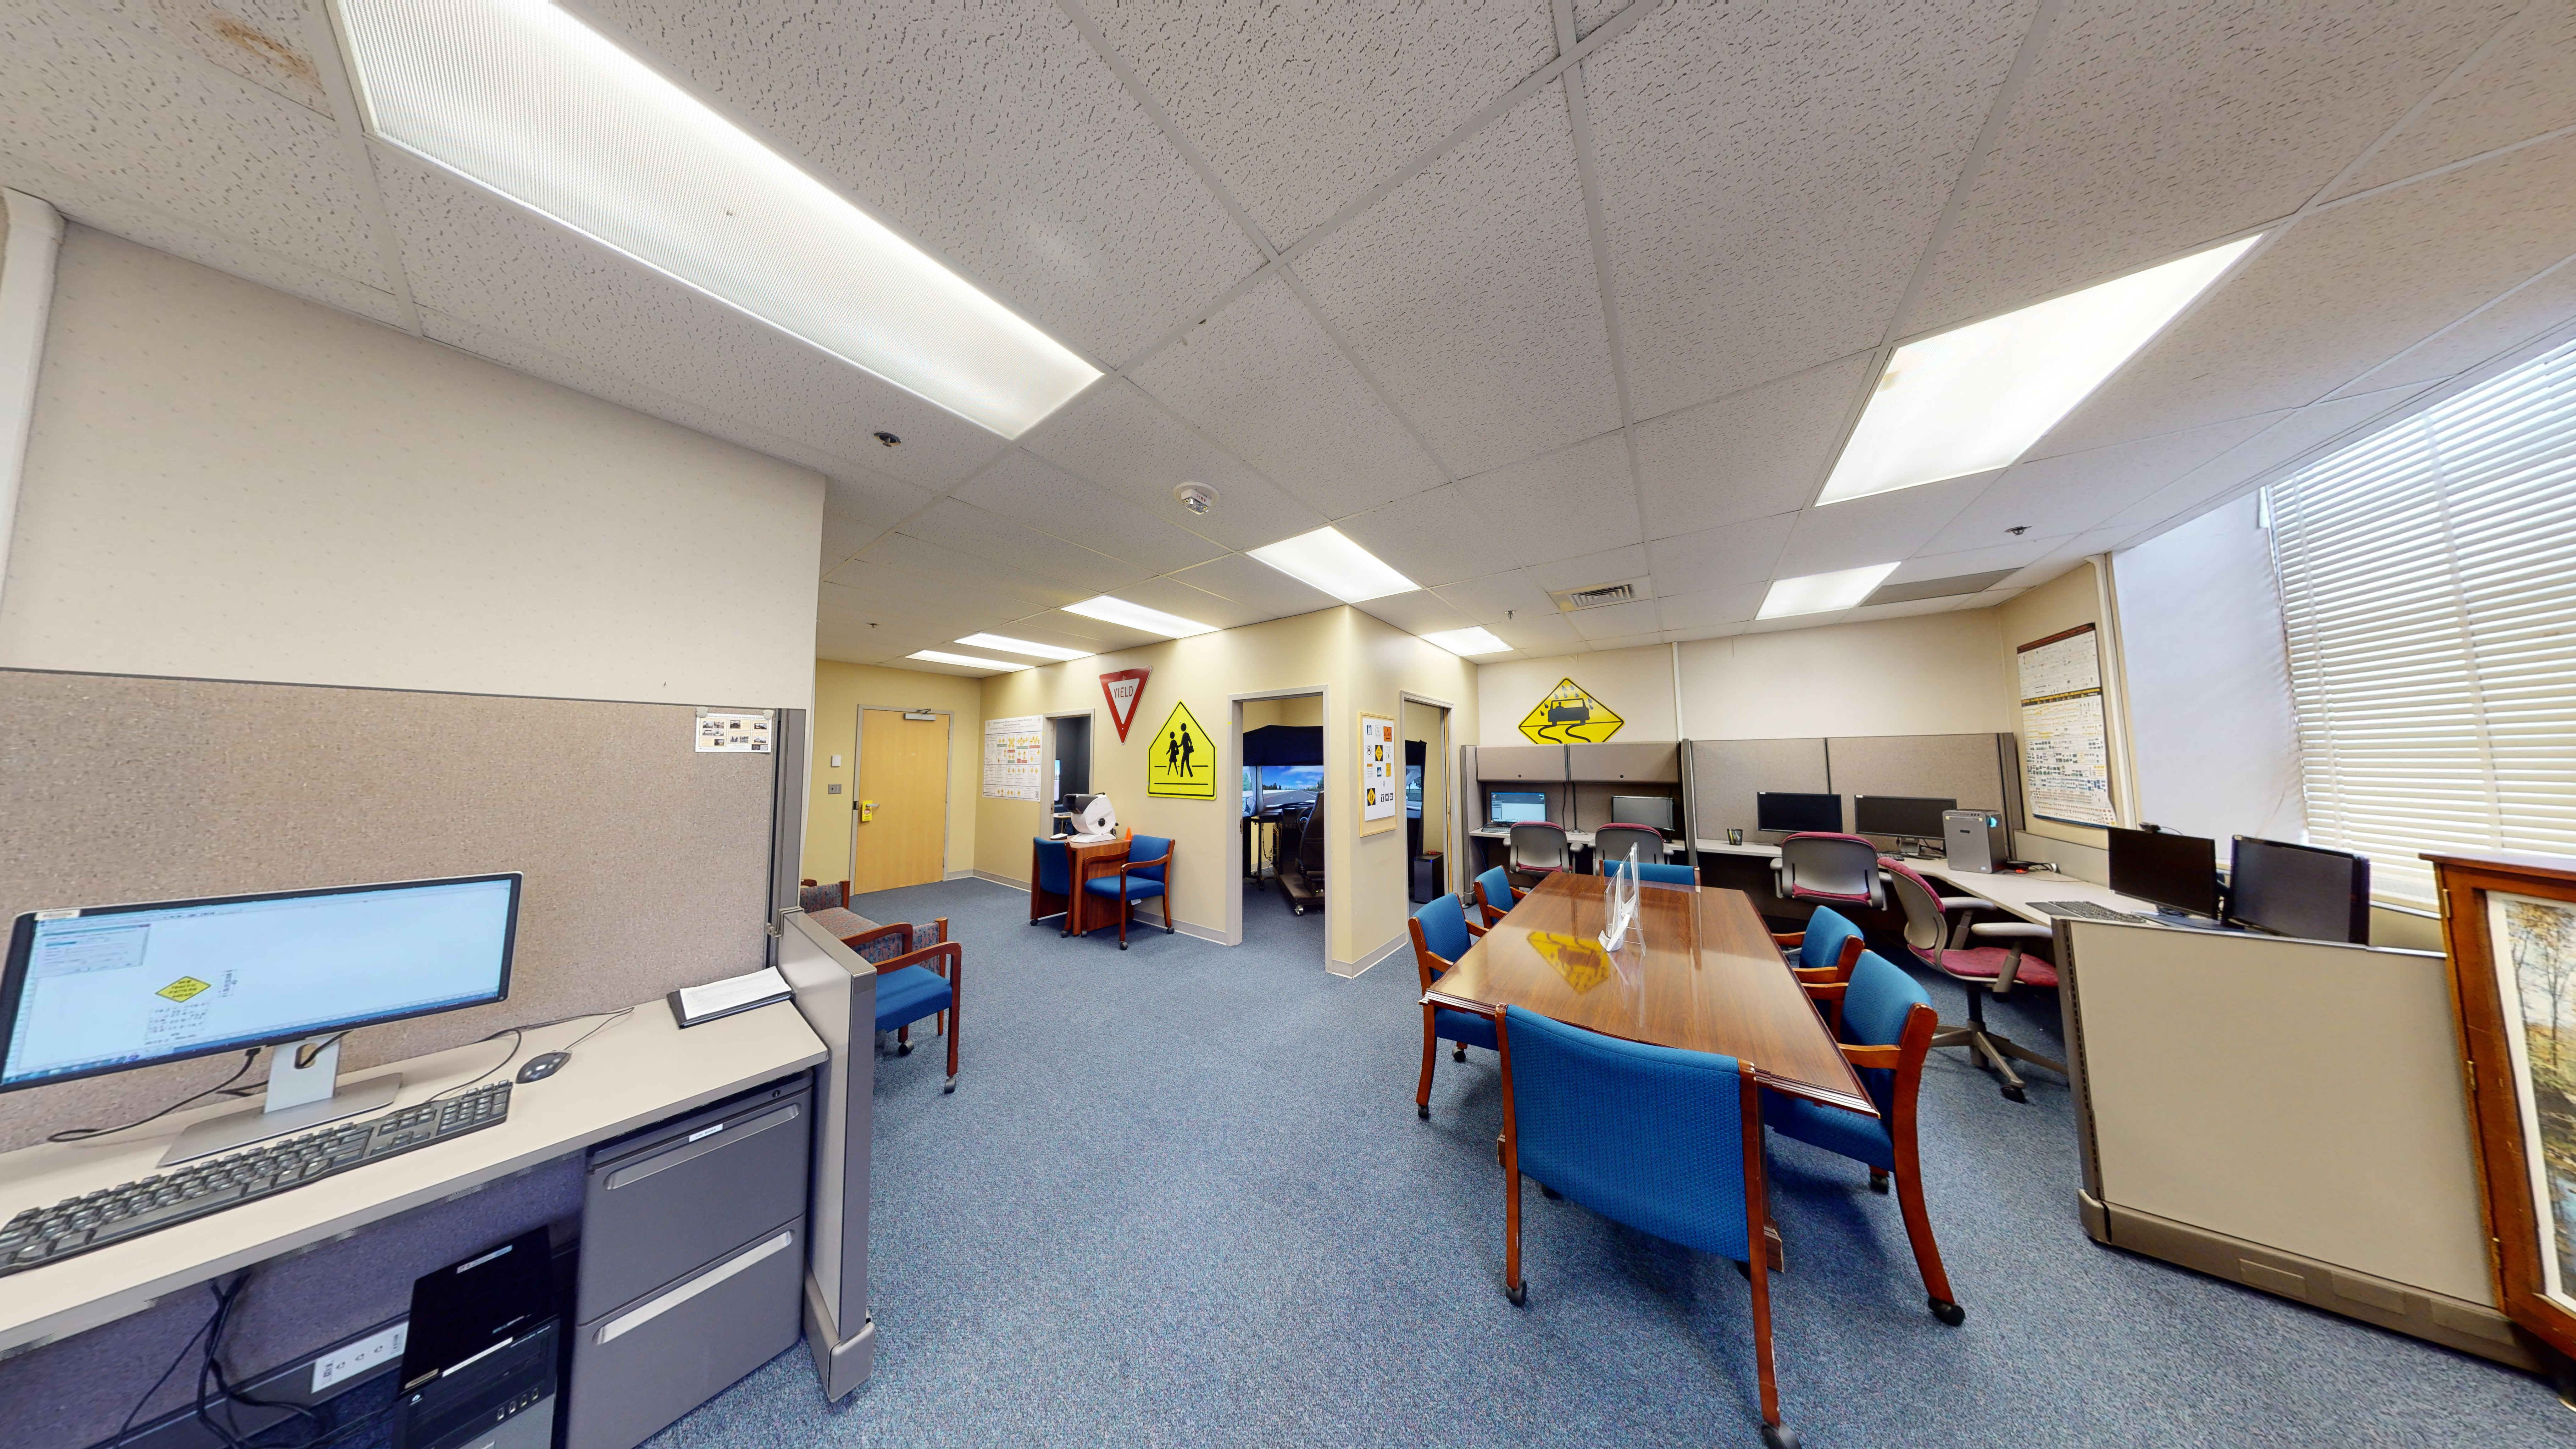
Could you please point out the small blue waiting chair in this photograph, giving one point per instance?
(1654, 872)
(1143, 876)
(920, 972)
(1664, 1140)
(1496, 895)
(1051, 894)
(1440, 936)
(1887, 1026)
(1823, 954)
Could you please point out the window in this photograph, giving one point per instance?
(2428, 591)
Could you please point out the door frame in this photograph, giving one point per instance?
(1233, 767)
(947, 763)
(1449, 861)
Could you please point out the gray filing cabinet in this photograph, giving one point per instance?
(692, 1262)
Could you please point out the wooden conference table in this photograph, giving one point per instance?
(1699, 971)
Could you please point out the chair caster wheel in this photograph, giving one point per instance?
(1779, 1436)
(903, 1049)
(1877, 1181)
(1300, 910)
(1551, 1193)
(1948, 1312)
(2014, 1094)
(950, 1087)
(1458, 1054)
(1122, 945)
(1422, 1112)
(1519, 1295)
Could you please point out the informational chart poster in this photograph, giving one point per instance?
(1011, 750)
(2066, 747)
(733, 731)
(1181, 763)
(1381, 774)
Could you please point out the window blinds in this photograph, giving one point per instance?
(2428, 591)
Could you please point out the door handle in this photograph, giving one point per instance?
(867, 811)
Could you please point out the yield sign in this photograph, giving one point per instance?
(1568, 716)
(1124, 688)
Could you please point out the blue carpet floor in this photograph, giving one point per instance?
(1180, 1197)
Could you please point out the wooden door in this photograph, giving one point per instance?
(899, 834)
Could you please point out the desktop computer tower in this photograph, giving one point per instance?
(479, 1364)
(1977, 840)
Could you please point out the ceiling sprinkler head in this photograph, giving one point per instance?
(1198, 498)
(890, 440)
(2018, 530)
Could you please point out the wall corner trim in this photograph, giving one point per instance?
(26, 301)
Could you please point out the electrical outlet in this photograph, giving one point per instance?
(832, 790)
(359, 1357)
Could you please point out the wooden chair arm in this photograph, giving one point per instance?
(1819, 973)
(1473, 929)
(1132, 863)
(1889, 1057)
(947, 952)
(1787, 939)
(1826, 990)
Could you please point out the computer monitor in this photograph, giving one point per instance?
(110, 988)
(1787, 812)
(2179, 872)
(1413, 792)
(2299, 890)
(1511, 807)
(1654, 810)
(1914, 817)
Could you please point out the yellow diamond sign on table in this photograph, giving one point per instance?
(1181, 762)
(184, 987)
(1568, 716)
(1579, 959)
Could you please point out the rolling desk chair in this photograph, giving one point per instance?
(1142, 876)
(1667, 1141)
(1496, 895)
(1654, 872)
(1612, 842)
(1887, 1030)
(1816, 866)
(1980, 969)
(1539, 847)
(1440, 936)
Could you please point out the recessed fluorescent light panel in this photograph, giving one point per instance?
(1464, 642)
(1024, 646)
(1137, 616)
(963, 661)
(1335, 565)
(1975, 398)
(522, 97)
(1822, 593)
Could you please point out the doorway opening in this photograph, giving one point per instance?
(899, 804)
(1068, 764)
(1431, 861)
(1281, 847)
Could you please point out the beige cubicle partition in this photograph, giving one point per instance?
(1977, 770)
(1727, 774)
(2284, 1114)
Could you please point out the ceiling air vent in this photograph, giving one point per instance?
(1594, 598)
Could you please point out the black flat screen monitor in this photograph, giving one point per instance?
(1654, 810)
(1785, 813)
(2299, 890)
(1916, 817)
(1512, 807)
(2179, 872)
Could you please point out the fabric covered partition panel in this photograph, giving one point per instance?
(1727, 774)
(647, 863)
(1967, 768)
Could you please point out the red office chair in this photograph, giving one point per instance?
(1980, 969)
(1539, 847)
(1816, 866)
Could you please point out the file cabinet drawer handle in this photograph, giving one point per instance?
(636, 1318)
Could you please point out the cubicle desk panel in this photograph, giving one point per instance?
(633, 1073)
(1627, 762)
(1727, 774)
(2285, 1114)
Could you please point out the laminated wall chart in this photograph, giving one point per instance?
(1011, 750)
(2066, 751)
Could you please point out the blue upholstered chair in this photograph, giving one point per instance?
(920, 973)
(1667, 1141)
(1887, 1025)
(1653, 872)
(1496, 895)
(1143, 876)
(1823, 954)
(1051, 894)
(1440, 936)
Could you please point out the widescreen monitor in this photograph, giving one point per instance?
(1512, 807)
(108, 988)
(1787, 812)
(1915, 817)
(2299, 890)
(1654, 810)
(2179, 872)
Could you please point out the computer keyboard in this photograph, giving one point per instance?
(2083, 909)
(39, 1236)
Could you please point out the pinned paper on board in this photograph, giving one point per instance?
(1381, 773)
(734, 731)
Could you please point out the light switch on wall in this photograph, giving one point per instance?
(836, 762)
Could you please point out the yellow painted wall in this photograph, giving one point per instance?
(1357, 662)
(840, 692)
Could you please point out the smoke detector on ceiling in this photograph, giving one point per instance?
(1198, 498)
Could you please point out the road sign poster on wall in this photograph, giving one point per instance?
(1181, 763)
(1569, 716)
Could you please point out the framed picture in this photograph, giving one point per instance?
(1381, 774)
(2509, 921)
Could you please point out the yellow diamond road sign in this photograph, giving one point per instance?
(1568, 716)
(1181, 762)
(184, 987)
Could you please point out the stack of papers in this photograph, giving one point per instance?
(691, 1005)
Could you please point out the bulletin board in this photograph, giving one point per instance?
(2066, 748)
(1381, 774)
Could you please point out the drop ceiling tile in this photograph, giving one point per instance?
(2524, 321)
(1434, 537)
(989, 131)
(1300, 108)
(1711, 608)
(1614, 621)
(1589, 14)
(1739, 553)
(1261, 378)
(1705, 631)
(481, 259)
(2017, 554)
(1905, 610)
(937, 580)
(1026, 631)
(83, 204)
(262, 41)
(1039, 495)
(1795, 621)
(85, 94)
(1107, 637)
(2340, 292)
(2314, 427)
(843, 537)
(1874, 530)
(1624, 641)
(2527, 86)
(1175, 597)
(1547, 633)
(964, 529)
(1269, 593)
(1591, 570)
(1415, 612)
(2069, 493)
(1739, 147)
(1575, 501)
(1123, 441)
(870, 497)
(2151, 127)
(1493, 598)
(1469, 291)
(1761, 451)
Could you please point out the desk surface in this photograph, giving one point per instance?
(1700, 972)
(2014, 893)
(632, 1074)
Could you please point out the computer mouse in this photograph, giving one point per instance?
(543, 1065)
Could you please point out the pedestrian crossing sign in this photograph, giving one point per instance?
(1181, 762)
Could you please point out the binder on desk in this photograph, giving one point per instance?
(691, 1005)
